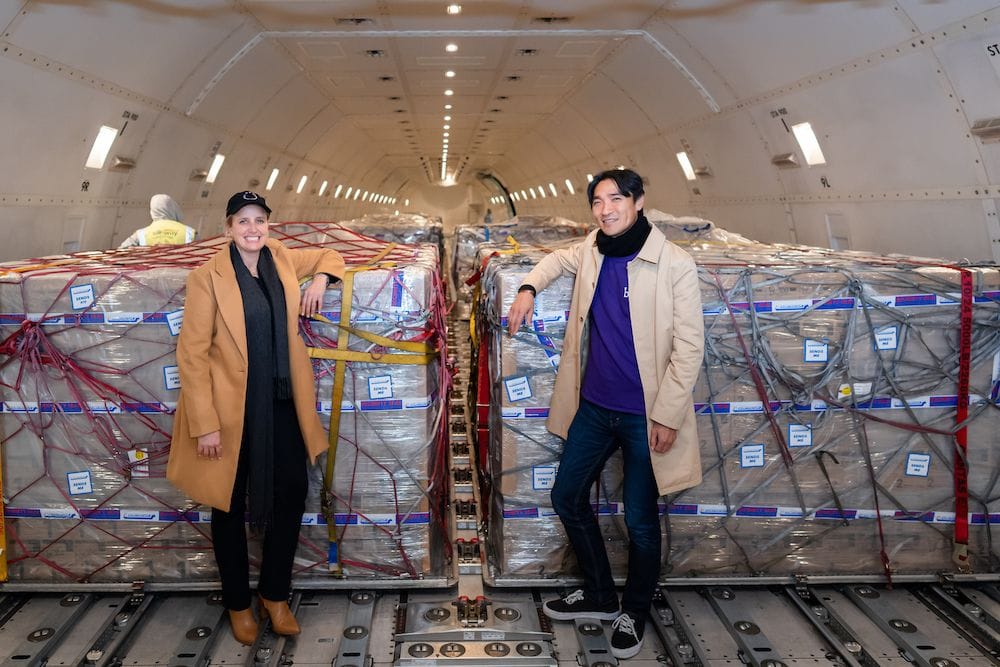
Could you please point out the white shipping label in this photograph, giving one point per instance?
(918, 465)
(171, 377)
(140, 461)
(380, 386)
(752, 456)
(81, 296)
(816, 351)
(543, 477)
(517, 388)
(887, 338)
(79, 482)
(800, 435)
(174, 321)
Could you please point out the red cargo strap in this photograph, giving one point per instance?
(960, 553)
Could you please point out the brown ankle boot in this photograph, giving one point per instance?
(244, 626)
(282, 620)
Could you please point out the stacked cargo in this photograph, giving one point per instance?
(826, 410)
(526, 230)
(89, 384)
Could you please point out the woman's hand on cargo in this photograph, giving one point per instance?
(210, 445)
(520, 311)
(312, 297)
(661, 438)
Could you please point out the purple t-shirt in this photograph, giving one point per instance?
(611, 379)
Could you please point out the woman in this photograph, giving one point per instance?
(246, 417)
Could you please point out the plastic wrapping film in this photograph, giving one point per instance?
(89, 383)
(858, 355)
(407, 228)
(527, 230)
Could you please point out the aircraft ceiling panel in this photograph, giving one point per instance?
(788, 41)
(172, 149)
(891, 106)
(605, 105)
(313, 129)
(8, 12)
(284, 115)
(593, 14)
(933, 15)
(52, 148)
(239, 96)
(695, 60)
(733, 150)
(149, 52)
(661, 90)
(970, 66)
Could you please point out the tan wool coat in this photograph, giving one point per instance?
(668, 331)
(213, 364)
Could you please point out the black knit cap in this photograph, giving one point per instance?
(245, 198)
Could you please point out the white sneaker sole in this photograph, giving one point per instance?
(626, 653)
(572, 616)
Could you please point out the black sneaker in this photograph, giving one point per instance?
(626, 640)
(576, 605)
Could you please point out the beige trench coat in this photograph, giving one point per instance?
(668, 330)
(212, 360)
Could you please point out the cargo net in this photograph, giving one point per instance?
(89, 383)
(828, 408)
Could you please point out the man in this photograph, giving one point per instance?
(166, 227)
(637, 306)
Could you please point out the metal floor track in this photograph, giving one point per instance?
(929, 625)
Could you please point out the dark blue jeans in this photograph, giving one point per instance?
(593, 437)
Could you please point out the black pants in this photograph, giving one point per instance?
(229, 535)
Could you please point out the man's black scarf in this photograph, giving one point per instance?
(628, 242)
(268, 378)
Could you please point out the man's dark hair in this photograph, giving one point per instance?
(629, 183)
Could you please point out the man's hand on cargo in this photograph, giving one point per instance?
(661, 438)
(520, 311)
(312, 297)
(210, 445)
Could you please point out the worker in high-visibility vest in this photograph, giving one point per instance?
(166, 227)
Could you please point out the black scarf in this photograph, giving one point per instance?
(268, 378)
(628, 242)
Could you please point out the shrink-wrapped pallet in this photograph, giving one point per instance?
(826, 413)
(89, 384)
(525, 230)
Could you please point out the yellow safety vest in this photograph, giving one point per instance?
(165, 232)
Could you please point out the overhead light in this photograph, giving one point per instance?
(322, 188)
(447, 106)
(454, 9)
(406, 202)
(516, 198)
(445, 134)
(364, 197)
(552, 188)
(357, 193)
(685, 163)
(449, 92)
(213, 171)
(271, 179)
(350, 189)
(590, 177)
(451, 48)
(569, 187)
(447, 127)
(532, 191)
(785, 160)
(447, 117)
(336, 193)
(102, 145)
(807, 142)
(450, 74)
(302, 184)
(524, 196)
(119, 163)
(541, 190)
